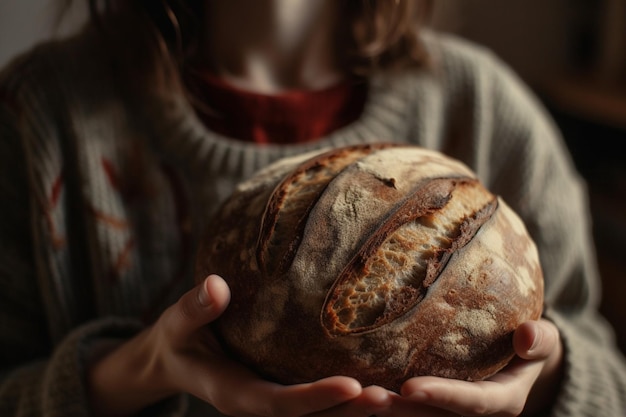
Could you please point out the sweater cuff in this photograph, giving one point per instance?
(594, 372)
(65, 382)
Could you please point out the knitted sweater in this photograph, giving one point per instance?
(104, 198)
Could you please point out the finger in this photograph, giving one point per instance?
(535, 340)
(199, 306)
(298, 400)
(255, 396)
(504, 397)
(373, 400)
(404, 407)
(320, 395)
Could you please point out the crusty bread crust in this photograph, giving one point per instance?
(379, 262)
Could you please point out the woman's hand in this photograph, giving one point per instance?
(179, 354)
(528, 385)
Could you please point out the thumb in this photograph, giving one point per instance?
(198, 307)
(535, 339)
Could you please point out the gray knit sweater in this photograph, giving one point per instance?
(103, 198)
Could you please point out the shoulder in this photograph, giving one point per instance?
(48, 96)
(44, 76)
(464, 75)
(473, 79)
(465, 67)
(466, 84)
(450, 50)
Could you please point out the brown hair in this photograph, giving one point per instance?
(381, 34)
(384, 34)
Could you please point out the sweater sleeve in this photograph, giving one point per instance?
(531, 168)
(42, 369)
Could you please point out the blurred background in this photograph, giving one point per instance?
(571, 52)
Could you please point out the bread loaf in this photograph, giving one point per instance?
(380, 262)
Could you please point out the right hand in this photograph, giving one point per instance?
(178, 354)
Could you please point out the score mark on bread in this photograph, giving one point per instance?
(394, 268)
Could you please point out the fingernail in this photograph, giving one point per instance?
(538, 335)
(419, 396)
(203, 295)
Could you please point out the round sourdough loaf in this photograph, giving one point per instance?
(379, 262)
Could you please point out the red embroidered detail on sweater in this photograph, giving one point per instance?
(291, 117)
(132, 185)
(110, 173)
(57, 186)
(58, 240)
(122, 262)
(111, 221)
(185, 258)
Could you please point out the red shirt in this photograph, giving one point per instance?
(291, 117)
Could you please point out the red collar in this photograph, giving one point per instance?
(291, 117)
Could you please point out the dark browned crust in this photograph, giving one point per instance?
(428, 197)
(271, 215)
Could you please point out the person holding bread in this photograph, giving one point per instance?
(117, 144)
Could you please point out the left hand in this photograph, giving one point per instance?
(527, 385)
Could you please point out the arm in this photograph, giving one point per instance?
(42, 360)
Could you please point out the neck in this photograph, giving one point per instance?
(270, 46)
